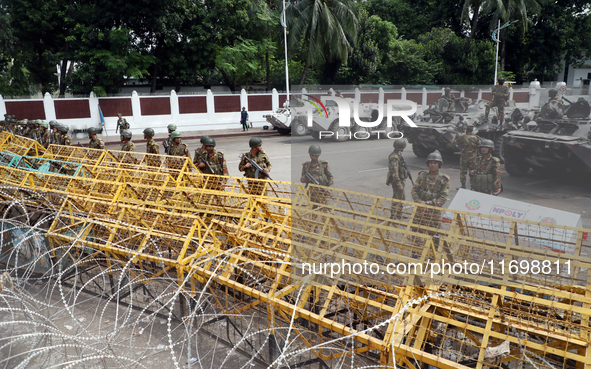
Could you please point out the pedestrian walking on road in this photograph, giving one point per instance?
(244, 119)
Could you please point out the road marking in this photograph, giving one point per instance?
(371, 170)
(533, 183)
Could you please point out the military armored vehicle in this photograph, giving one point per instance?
(440, 125)
(553, 142)
(290, 119)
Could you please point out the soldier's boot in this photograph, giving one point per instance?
(462, 186)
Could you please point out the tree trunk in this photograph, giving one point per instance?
(63, 73)
(305, 71)
(154, 78)
(475, 20)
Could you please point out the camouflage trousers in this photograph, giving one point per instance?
(425, 217)
(396, 207)
(466, 164)
(500, 110)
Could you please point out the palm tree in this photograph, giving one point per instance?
(324, 29)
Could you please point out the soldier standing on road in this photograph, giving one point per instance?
(200, 150)
(127, 144)
(168, 143)
(151, 146)
(95, 142)
(43, 135)
(215, 158)
(257, 155)
(486, 175)
(37, 127)
(122, 125)
(320, 171)
(244, 119)
(397, 174)
(178, 148)
(469, 143)
(431, 188)
(500, 94)
(64, 138)
(52, 133)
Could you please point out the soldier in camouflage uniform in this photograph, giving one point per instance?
(43, 134)
(486, 175)
(10, 124)
(178, 148)
(431, 188)
(500, 94)
(52, 132)
(152, 149)
(64, 138)
(95, 142)
(127, 144)
(320, 171)
(396, 177)
(257, 155)
(23, 128)
(469, 143)
(122, 125)
(36, 130)
(168, 143)
(200, 150)
(217, 164)
(553, 109)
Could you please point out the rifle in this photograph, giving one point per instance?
(311, 179)
(81, 144)
(208, 165)
(166, 147)
(407, 171)
(389, 181)
(257, 168)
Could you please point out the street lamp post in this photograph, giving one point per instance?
(496, 36)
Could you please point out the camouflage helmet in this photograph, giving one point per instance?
(38, 121)
(63, 128)
(92, 131)
(32, 122)
(203, 138)
(447, 89)
(24, 121)
(126, 134)
(436, 156)
(314, 150)
(399, 144)
(552, 92)
(52, 123)
(171, 127)
(44, 125)
(255, 141)
(175, 134)
(501, 80)
(487, 143)
(208, 141)
(149, 132)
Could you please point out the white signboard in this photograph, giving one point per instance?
(552, 239)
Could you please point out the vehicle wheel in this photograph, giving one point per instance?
(340, 133)
(516, 167)
(499, 149)
(284, 131)
(298, 128)
(420, 150)
(315, 134)
(358, 128)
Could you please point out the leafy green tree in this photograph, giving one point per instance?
(560, 32)
(457, 60)
(324, 29)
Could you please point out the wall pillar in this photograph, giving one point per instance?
(174, 107)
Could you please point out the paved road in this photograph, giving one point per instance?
(361, 166)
